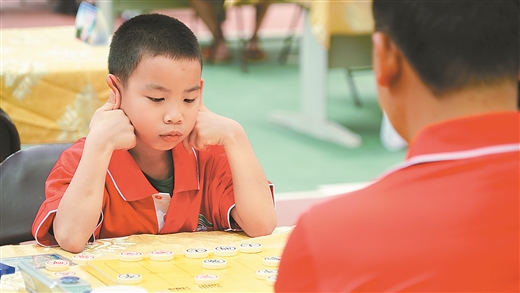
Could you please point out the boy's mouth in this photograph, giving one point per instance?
(171, 136)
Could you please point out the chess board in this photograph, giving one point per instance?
(178, 275)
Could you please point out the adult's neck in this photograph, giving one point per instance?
(422, 108)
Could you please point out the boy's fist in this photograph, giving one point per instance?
(110, 125)
(212, 129)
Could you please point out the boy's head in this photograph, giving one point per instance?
(454, 44)
(155, 67)
(150, 35)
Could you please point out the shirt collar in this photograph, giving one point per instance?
(131, 183)
(467, 133)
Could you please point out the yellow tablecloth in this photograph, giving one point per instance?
(110, 249)
(340, 18)
(333, 17)
(51, 83)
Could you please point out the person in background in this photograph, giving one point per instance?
(446, 220)
(213, 14)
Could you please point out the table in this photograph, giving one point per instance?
(324, 19)
(107, 249)
(51, 82)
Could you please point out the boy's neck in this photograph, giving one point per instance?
(156, 164)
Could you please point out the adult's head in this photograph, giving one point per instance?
(449, 46)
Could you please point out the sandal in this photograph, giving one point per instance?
(216, 53)
(253, 52)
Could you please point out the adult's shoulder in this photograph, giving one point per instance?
(349, 208)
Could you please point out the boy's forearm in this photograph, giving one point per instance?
(254, 206)
(79, 209)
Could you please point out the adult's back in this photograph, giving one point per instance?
(447, 219)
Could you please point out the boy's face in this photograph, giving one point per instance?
(162, 100)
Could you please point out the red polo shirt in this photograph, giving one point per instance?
(202, 198)
(447, 220)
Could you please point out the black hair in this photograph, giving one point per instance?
(454, 44)
(150, 35)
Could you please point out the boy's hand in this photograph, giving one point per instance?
(111, 127)
(211, 129)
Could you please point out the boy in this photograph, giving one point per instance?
(155, 159)
(447, 219)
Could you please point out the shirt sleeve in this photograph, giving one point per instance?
(55, 186)
(297, 271)
(222, 191)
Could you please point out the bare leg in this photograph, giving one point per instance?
(253, 50)
(207, 11)
(261, 11)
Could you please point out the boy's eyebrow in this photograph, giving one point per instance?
(156, 87)
(192, 89)
(153, 86)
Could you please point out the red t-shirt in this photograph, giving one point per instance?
(202, 195)
(447, 220)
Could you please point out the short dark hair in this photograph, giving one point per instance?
(150, 35)
(454, 44)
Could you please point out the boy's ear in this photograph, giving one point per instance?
(201, 86)
(202, 107)
(114, 85)
(386, 59)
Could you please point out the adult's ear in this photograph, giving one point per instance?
(114, 85)
(386, 59)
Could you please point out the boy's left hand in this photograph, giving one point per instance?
(211, 129)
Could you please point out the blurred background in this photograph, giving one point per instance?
(308, 103)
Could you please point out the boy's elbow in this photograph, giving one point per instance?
(70, 244)
(263, 229)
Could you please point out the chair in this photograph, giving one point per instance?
(352, 53)
(10, 140)
(22, 180)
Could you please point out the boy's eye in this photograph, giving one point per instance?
(189, 100)
(156, 100)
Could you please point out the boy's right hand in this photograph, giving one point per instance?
(110, 127)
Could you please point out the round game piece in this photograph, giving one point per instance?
(214, 264)
(196, 253)
(129, 279)
(206, 279)
(161, 255)
(270, 280)
(250, 247)
(271, 261)
(263, 274)
(130, 256)
(57, 265)
(225, 251)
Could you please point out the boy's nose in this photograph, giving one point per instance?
(173, 116)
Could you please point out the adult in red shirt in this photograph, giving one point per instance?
(447, 219)
(119, 179)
